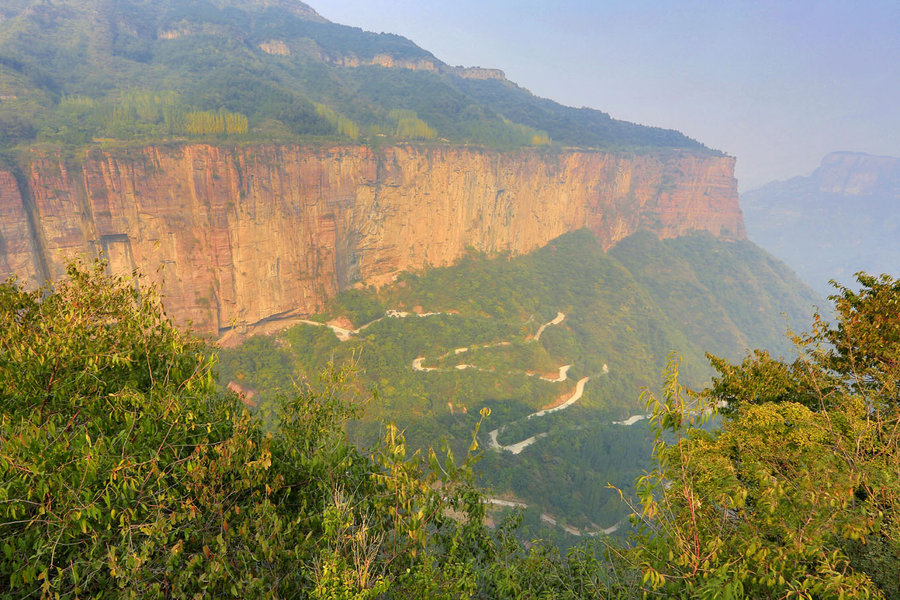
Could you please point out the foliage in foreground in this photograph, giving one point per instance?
(124, 473)
(796, 496)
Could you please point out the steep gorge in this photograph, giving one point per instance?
(235, 235)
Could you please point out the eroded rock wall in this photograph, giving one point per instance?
(237, 235)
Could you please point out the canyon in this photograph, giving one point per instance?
(235, 235)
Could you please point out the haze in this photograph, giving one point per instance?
(776, 84)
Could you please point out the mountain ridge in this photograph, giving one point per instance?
(269, 159)
(82, 73)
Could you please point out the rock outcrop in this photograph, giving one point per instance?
(477, 73)
(236, 235)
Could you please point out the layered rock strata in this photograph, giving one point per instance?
(238, 235)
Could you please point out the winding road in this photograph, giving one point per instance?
(556, 321)
(344, 334)
(575, 397)
(519, 446)
(418, 365)
(550, 520)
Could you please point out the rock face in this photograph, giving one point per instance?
(238, 235)
(390, 62)
(478, 73)
(841, 219)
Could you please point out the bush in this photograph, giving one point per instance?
(124, 473)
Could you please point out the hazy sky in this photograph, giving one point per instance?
(778, 84)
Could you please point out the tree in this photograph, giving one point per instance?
(796, 493)
(124, 472)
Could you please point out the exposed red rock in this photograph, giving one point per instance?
(237, 235)
(18, 252)
(342, 322)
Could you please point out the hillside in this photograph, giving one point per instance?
(841, 219)
(126, 473)
(567, 326)
(77, 72)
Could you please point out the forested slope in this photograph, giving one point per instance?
(93, 71)
(466, 341)
(124, 473)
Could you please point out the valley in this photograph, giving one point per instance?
(557, 344)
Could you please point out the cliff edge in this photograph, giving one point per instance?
(236, 235)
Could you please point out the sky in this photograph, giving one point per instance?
(777, 84)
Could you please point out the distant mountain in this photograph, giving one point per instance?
(843, 218)
(77, 72)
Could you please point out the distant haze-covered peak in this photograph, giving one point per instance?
(840, 219)
(858, 174)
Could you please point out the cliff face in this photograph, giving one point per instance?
(19, 254)
(236, 235)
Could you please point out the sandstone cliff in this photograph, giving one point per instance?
(237, 235)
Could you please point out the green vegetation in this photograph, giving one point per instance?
(738, 286)
(341, 124)
(796, 495)
(583, 127)
(125, 473)
(410, 126)
(78, 72)
(620, 324)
